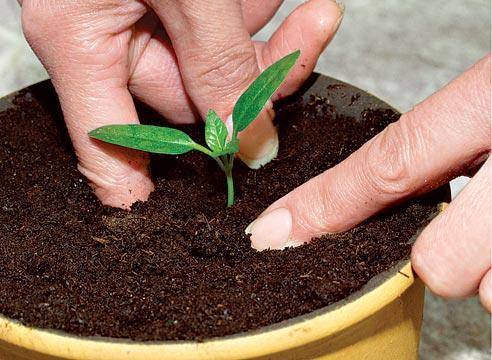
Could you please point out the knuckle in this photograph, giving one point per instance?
(225, 72)
(328, 213)
(317, 209)
(389, 160)
(310, 218)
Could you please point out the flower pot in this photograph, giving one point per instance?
(380, 321)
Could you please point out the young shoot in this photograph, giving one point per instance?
(221, 146)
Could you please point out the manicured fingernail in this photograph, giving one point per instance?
(272, 230)
(259, 142)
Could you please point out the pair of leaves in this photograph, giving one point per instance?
(163, 140)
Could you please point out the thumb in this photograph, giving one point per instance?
(218, 62)
(425, 148)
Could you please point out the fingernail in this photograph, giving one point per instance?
(229, 126)
(263, 154)
(259, 142)
(272, 230)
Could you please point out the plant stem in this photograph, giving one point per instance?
(230, 187)
(203, 149)
(228, 161)
(221, 164)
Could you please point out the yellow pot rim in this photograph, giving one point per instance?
(295, 332)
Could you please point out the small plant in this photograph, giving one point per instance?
(222, 146)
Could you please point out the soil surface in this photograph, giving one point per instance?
(180, 266)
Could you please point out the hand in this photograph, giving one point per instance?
(441, 138)
(181, 57)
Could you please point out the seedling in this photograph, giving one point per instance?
(222, 146)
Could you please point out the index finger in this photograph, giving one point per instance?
(425, 148)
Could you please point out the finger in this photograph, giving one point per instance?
(485, 291)
(309, 28)
(217, 62)
(214, 51)
(154, 73)
(453, 252)
(424, 149)
(89, 72)
(257, 13)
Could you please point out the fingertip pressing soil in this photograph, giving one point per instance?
(180, 266)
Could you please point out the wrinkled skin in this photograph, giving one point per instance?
(445, 136)
(181, 57)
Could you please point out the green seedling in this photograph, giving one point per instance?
(222, 146)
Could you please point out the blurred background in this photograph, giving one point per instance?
(401, 51)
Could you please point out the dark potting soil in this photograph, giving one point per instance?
(179, 266)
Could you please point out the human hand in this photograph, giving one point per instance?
(443, 137)
(180, 57)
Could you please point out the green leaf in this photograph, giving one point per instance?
(215, 132)
(154, 139)
(231, 147)
(252, 101)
